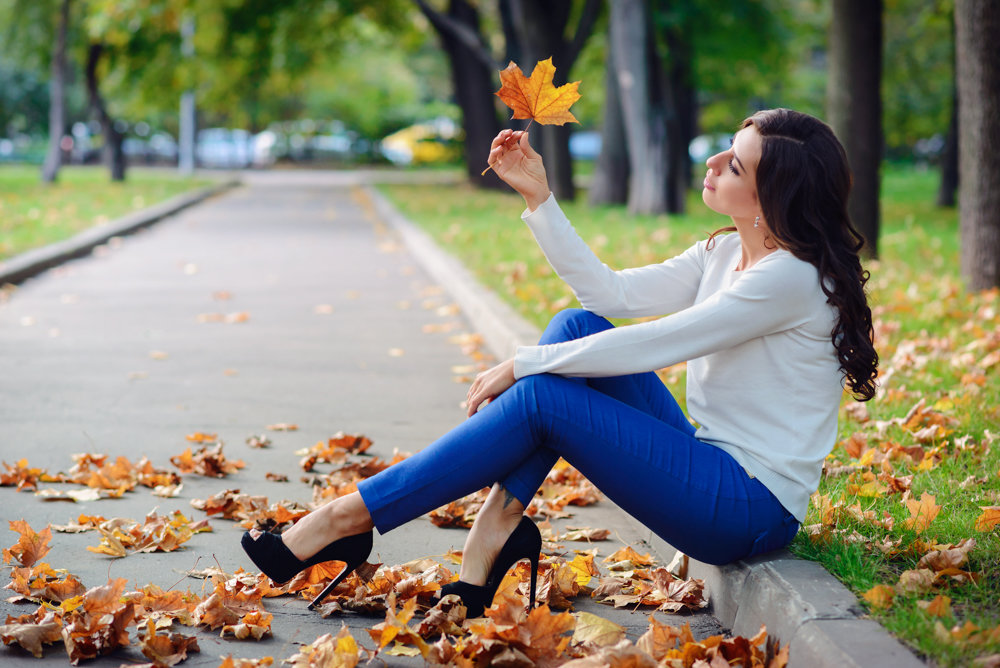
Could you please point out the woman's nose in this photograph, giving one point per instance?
(712, 162)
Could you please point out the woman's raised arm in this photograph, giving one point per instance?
(517, 164)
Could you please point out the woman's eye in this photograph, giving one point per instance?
(733, 169)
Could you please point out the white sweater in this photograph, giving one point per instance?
(763, 379)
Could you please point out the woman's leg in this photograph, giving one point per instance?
(502, 510)
(692, 494)
(643, 391)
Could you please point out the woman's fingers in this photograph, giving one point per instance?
(489, 384)
(505, 142)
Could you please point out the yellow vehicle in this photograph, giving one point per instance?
(424, 143)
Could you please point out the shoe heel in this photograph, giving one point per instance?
(348, 569)
(534, 582)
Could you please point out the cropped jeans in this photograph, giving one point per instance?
(626, 434)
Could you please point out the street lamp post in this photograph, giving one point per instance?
(186, 144)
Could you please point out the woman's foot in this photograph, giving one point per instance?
(342, 517)
(496, 521)
(525, 542)
(339, 531)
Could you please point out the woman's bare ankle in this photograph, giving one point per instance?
(497, 519)
(344, 516)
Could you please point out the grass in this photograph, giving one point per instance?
(33, 214)
(939, 344)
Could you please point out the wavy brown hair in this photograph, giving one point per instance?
(803, 181)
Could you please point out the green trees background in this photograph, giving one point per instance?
(379, 66)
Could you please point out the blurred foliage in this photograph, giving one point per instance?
(378, 66)
(918, 72)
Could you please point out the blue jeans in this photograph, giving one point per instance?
(626, 434)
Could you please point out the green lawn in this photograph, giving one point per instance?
(34, 214)
(935, 418)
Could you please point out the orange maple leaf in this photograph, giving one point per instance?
(30, 546)
(923, 512)
(537, 98)
(166, 649)
(989, 519)
(880, 596)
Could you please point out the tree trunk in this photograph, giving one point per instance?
(113, 153)
(536, 23)
(977, 23)
(681, 121)
(57, 98)
(634, 61)
(949, 159)
(854, 105)
(611, 173)
(473, 80)
(541, 27)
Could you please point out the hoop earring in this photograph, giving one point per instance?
(756, 221)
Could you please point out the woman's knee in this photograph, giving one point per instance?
(573, 323)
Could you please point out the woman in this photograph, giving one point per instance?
(772, 321)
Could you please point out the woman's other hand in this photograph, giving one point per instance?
(489, 385)
(514, 161)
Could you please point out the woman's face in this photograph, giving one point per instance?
(730, 186)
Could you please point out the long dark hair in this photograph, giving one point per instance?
(803, 181)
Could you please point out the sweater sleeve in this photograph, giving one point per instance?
(777, 294)
(642, 291)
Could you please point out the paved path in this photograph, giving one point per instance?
(120, 353)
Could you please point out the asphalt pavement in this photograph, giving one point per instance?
(295, 298)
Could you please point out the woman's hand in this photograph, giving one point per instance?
(514, 161)
(489, 385)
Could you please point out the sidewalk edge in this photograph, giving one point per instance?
(501, 327)
(799, 602)
(31, 263)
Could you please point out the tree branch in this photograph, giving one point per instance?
(588, 18)
(445, 25)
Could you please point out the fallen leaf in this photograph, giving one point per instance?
(99, 625)
(282, 426)
(627, 559)
(947, 556)
(597, 631)
(879, 597)
(258, 441)
(622, 655)
(922, 512)
(340, 651)
(659, 639)
(989, 519)
(229, 662)
(939, 606)
(585, 534)
(395, 628)
(30, 632)
(30, 546)
(24, 477)
(255, 624)
(207, 461)
(915, 581)
(167, 649)
(41, 582)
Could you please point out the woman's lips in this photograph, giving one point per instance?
(708, 186)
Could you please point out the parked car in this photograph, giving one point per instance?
(224, 148)
(422, 143)
(585, 145)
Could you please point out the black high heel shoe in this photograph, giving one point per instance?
(524, 543)
(272, 556)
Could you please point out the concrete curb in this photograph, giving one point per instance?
(24, 266)
(801, 603)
